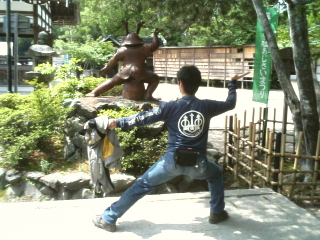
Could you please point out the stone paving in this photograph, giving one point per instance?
(254, 214)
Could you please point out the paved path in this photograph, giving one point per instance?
(254, 214)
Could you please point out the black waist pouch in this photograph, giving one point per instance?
(185, 157)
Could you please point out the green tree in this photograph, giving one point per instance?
(313, 19)
(236, 27)
(174, 17)
(93, 53)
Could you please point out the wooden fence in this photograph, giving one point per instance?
(267, 158)
(217, 63)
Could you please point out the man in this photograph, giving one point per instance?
(187, 120)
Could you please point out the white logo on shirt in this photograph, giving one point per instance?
(191, 123)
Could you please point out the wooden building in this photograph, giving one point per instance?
(28, 18)
(216, 63)
(43, 14)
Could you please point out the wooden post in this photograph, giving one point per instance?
(269, 158)
(276, 161)
(295, 166)
(237, 143)
(225, 144)
(274, 119)
(315, 170)
(253, 139)
(283, 151)
(230, 140)
(265, 121)
(284, 117)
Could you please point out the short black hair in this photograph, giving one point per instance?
(190, 76)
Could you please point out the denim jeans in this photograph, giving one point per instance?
(162, 171)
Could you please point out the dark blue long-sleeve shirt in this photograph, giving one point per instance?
(187, 119)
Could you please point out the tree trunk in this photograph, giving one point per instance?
(301, 110)
(289, 93)
(302, 59)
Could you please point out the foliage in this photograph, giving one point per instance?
(174, 17)
(283, 32)
(68, 70)
(45, 68)
(314, 27)
(30, 127)
(92, 53)
(46, 166)
(76, 88)
(140, 150)
(224, 29)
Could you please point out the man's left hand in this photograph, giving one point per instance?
(238, 76)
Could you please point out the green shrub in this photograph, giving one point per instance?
(140, 150)
(68, 70)
(45, 68)
(76, 88)
(46, 166)
(31, 127)
(12, 100)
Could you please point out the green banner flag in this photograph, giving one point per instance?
(262, 60)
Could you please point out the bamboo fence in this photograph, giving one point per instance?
(265, 157)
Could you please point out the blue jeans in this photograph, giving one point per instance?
(162, 171)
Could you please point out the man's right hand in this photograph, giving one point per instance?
(112, 124)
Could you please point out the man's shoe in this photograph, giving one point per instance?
(218, 217)
(98, 222)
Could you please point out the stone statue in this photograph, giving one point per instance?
(133, 53)
(41, 52)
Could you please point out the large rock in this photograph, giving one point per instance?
(83, 193)
(188, 184)
(79, 141)
(73, 125)
(69, 147)
(14, 191)
(78, 156)
(34, 176)
(52, 180)
(31, 189)
(13, 176)
(63, 194)
(214, 155)
(75, 181)
(45, 190)
(86, 111)
(153, 129)
(122, 181)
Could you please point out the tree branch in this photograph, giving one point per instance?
(298, 2)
